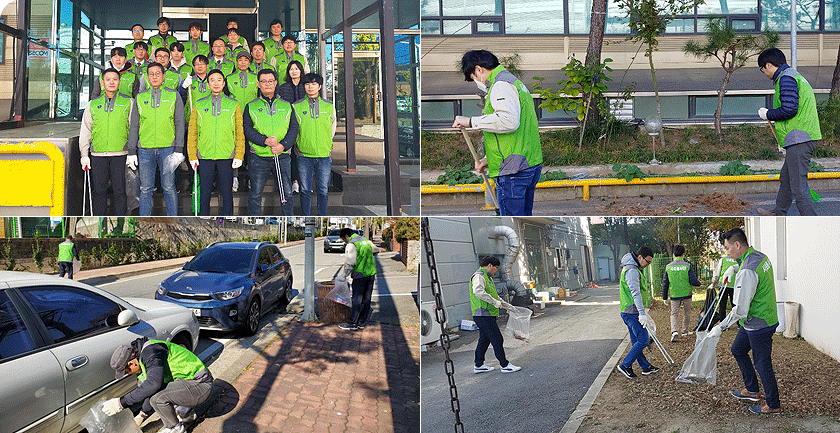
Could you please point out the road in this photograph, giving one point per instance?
(569, 345)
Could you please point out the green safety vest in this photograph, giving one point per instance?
(195, 47)
(157, 124)
(65, 251)
(281, 62)
(171, 79)
(805, 126)
(243, 89)
(129, 50)
(181, 363)
(678, 284)
(726, 263)
(365, 264)
(314, 138)
(183, 71)
(272, 48)
(216, 127)
(477, 305)
(265, 65)
(226, 66)
(110, 123)
(231, 53)
(198, 89)
(626, 298)
(512, 152)
(763, 305)
(158, 41)
(127, 78)
(269, 120)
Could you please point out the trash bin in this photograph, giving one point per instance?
(791, 319)
(330, 311)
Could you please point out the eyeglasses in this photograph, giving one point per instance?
(155, 74)
(268, 81)
(137, 31)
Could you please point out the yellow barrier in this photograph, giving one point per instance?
(587, 183)
(33, 183)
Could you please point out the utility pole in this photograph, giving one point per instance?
(309, 273)
(793, 34)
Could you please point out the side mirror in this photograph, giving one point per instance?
(263, 267)
(127, 318)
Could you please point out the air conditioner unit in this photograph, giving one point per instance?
(429, 327)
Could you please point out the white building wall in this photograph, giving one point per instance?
(456, 261)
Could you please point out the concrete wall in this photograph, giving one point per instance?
(804, 261)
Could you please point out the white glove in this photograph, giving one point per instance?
(112, 407)
(715, 332)
(507, 306)
(140, 418)
(187, 82)
(179, 156)
(236, 163)
(131, 162)
(194, 163)
(729, 275)
(711, 286)
(762, 113)
(85, 163)
(647, 322)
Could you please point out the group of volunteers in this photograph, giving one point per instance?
(513, 151)
(219, 106)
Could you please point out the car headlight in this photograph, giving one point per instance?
(229, 294)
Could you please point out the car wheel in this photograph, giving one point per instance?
(287, 295)
(252, 320)
(183, 340)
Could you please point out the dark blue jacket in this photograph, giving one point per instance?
(788, 96)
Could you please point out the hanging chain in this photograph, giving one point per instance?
(440, 316)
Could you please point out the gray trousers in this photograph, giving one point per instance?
(794, 180)
(187, 393)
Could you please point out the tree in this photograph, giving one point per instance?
(835, 79)
(618, 231)
(732, 50)
(648, 20)
(597, 23)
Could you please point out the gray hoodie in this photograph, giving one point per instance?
(633, 277)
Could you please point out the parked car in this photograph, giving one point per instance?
(230, 285)
(333, 241)
(56, 341)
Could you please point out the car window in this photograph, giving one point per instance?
(14, 337)
(71, 312)
(269, 255)
(222, 260)
(335, 233)
(276, 255)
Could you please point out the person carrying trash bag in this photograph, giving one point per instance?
(173, 381)
(724, 274)
(755, 312)
(360, 264)
(485, 304)
(634, 298)
(677, 281)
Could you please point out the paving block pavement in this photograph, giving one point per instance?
(319, 378)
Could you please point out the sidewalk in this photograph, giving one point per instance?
(319, 378)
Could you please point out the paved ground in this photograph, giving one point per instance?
(569, 345)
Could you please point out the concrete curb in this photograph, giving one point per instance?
(576, 418)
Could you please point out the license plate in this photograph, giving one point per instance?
(197, 312)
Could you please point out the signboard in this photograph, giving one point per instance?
(38, 52)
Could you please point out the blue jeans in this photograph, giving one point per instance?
(149, 161)
(639, 338)
(762, 348)
(515, 192)
(321, 168)
(488, 333)
(262, 171)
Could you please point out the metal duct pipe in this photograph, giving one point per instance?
(512, 250)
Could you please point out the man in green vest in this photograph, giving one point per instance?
(271, 128)
(317, 120)
(137, 32)
(172, 80)
(178, 62)
(103, 143)
(156, 131)
(274, 44)
(233, 23)
(218, 58)
(677, 280)
(281, 60)
(67, 251)
(195, 45)
(141, 59)
(634, 299)
(129, 85)
(258, 59)
(797, 131)
(173, 381)
(485, 304)
(513, 153)
(360, 264)
(724, 275)
(755, 312)
(163, 39)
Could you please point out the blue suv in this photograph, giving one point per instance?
(230, 285)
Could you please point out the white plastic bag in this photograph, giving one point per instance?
(701, 365)
(95, 421)
(519, 323)
(340, 293)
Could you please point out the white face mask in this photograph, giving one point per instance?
(481, 86)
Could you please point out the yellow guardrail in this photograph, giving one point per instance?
(32, 182)
(587, 183)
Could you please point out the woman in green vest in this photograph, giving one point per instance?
(173, 381)
(216, 142)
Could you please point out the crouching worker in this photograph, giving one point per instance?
(173, 381)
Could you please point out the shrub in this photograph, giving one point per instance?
(735, 168)
(628, 172)
(456, 176)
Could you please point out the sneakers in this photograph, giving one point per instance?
(686, 334)
(674, 336)
(179, 428)
(764, 410)
(510, 368)
(185, 414)
(483, 369)
(360, 326)
(348, 326)
(650, 370)
(627, 371)
(744, 395)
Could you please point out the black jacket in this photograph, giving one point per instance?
(291, 93)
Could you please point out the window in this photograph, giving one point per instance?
(14, 337)
(472, 7)
(269, 255)
(526, 16)
(70, 312)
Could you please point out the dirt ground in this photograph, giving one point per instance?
(706, 204)
(808, 386)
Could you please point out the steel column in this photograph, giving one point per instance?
(349, 91)
(389, 112)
